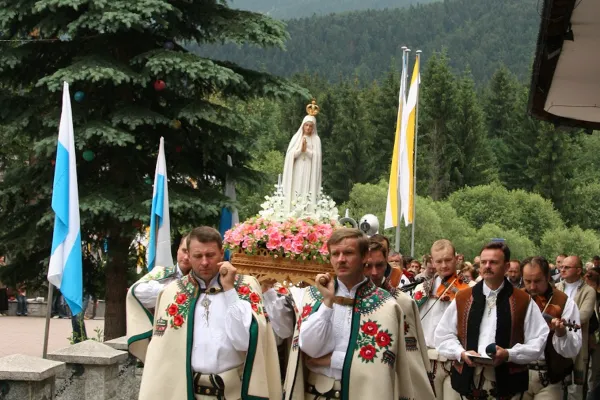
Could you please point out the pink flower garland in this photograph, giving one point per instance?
(299, 239)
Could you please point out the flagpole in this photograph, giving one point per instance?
(403, 76)
(48, 316)
(414, 205)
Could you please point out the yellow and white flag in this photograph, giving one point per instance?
(407, 148)
(392, 215)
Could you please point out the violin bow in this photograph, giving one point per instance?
(459, 274)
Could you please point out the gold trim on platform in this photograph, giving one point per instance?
(264, 267)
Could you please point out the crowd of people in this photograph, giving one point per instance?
(380, 325)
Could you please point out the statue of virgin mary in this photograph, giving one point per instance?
(303, 163)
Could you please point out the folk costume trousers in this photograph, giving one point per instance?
(537, 391)
(440, 369)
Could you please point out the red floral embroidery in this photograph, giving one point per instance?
(247, 294)
(178, 320)
(283, 291)
(368, 352)
(254, 298)
(181, 298)
(172, 309)
(418, 295)
(383, 339)
(244, 290)
(180, 308)
(306, 311)
(372, 339)
(370, 328)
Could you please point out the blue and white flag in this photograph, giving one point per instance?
(229, 217)
(159, 245)
(64, 270)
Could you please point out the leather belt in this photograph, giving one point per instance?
(538, 367)
(332, 394)
(208, 391)
(215, 390)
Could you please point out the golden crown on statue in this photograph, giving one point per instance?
(312, 109)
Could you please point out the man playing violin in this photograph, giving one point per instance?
(546, 375)
(492, 331)
(433, 298)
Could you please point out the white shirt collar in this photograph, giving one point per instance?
(342, 288)
(213, 282)
(487, 291)
(178, 271)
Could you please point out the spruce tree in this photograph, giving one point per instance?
(475, 164)
(507, 127)
(550, 165)
(437, 149)
(347, 152)
(382, 112)
(132, 81)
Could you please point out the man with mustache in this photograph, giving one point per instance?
(584, 296)
(350, 332)
(492, 318)
(141, 300)
(546, 375)
(433, 297)
(418, 360)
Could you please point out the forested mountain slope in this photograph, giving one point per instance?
(288, 9)
(481, 34)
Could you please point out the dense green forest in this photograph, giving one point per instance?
(288, 9)
(480, 34)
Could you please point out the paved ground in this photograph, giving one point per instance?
(25, 335)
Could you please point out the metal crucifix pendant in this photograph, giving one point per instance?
(205, 303)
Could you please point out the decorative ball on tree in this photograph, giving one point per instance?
(88, 155)
(159, 85)
(79, 96)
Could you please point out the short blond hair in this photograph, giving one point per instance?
(442, 244)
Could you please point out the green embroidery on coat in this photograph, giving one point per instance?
(158, 274)
(370, 298)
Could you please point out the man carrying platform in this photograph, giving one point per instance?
(211, 338)
(350, 333)
(141, 300)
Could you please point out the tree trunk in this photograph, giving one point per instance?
(116, 288)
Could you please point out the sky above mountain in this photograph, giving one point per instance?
(289, 9)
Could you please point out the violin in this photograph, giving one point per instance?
(573, 327)
(450, 286)
(551, 311)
